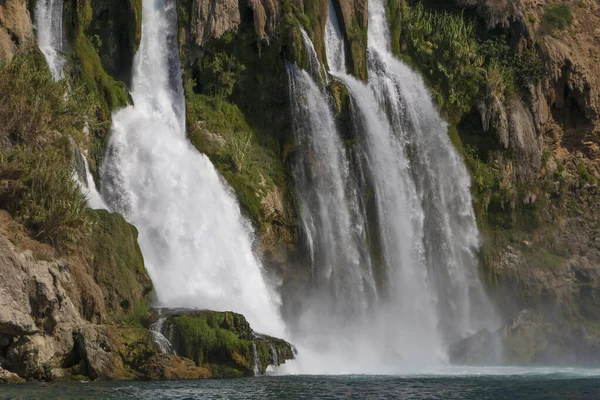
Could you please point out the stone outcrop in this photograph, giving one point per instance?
(211, 19)
(16, 29)
(52, 312)
(10, 377)
(528, 339)
(39, 321)
(115, 27)
(223, 342)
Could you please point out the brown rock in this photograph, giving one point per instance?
(172, 367)
(95, 348)
(212, 18)
(16, 30)
(10, 377)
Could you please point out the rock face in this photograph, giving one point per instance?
(223, 342)
(172, 367)
(38, 320)
(117, 25)
(528, 339)
(52, 310)
(16, 30)
(211, 19)
(354, 20)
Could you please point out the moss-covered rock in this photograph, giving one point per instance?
(223, 342)
(117, 264)
(115, 31)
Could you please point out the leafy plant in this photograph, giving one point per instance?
(445, 48)
(38, 187)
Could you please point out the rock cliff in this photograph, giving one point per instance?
(16, 29)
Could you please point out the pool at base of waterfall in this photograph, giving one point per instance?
(456, 383)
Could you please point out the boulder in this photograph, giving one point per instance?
(10, 377)
(222, 342)
(528, 339)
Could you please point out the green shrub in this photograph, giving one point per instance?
(219, 73)
(557, 16)
(36, 172)
(444, 47)
(38, 187)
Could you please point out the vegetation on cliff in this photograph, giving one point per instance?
(36, 150)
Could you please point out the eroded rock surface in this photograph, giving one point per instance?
(16, 29)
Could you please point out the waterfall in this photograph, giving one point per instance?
(85, 180)
(257, 366)
(396, 310)
(334, 42)
(329, 214)
(196, 243)
(441, 196)
(274, 355)
(160, 339)
(49, 25)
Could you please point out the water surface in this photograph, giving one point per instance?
(558, 384)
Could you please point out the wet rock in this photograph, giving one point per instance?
(172, 367)
(223, 342)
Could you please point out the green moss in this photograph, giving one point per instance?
(135, 347)
(394, 14)
(356, 34)
(343, 112)
(204, 341)
(118, 265)
(88, 65)
(223, 342)
(114, 93)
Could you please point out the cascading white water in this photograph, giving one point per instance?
(334, 42)
(163, 343)
(85, 180)
(428, 293)
(49, 25)
(442, 187)
(257, 366)
(196, 244)
(331, 219)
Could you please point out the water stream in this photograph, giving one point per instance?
(196, 243)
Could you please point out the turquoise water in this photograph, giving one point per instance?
(565, 384)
